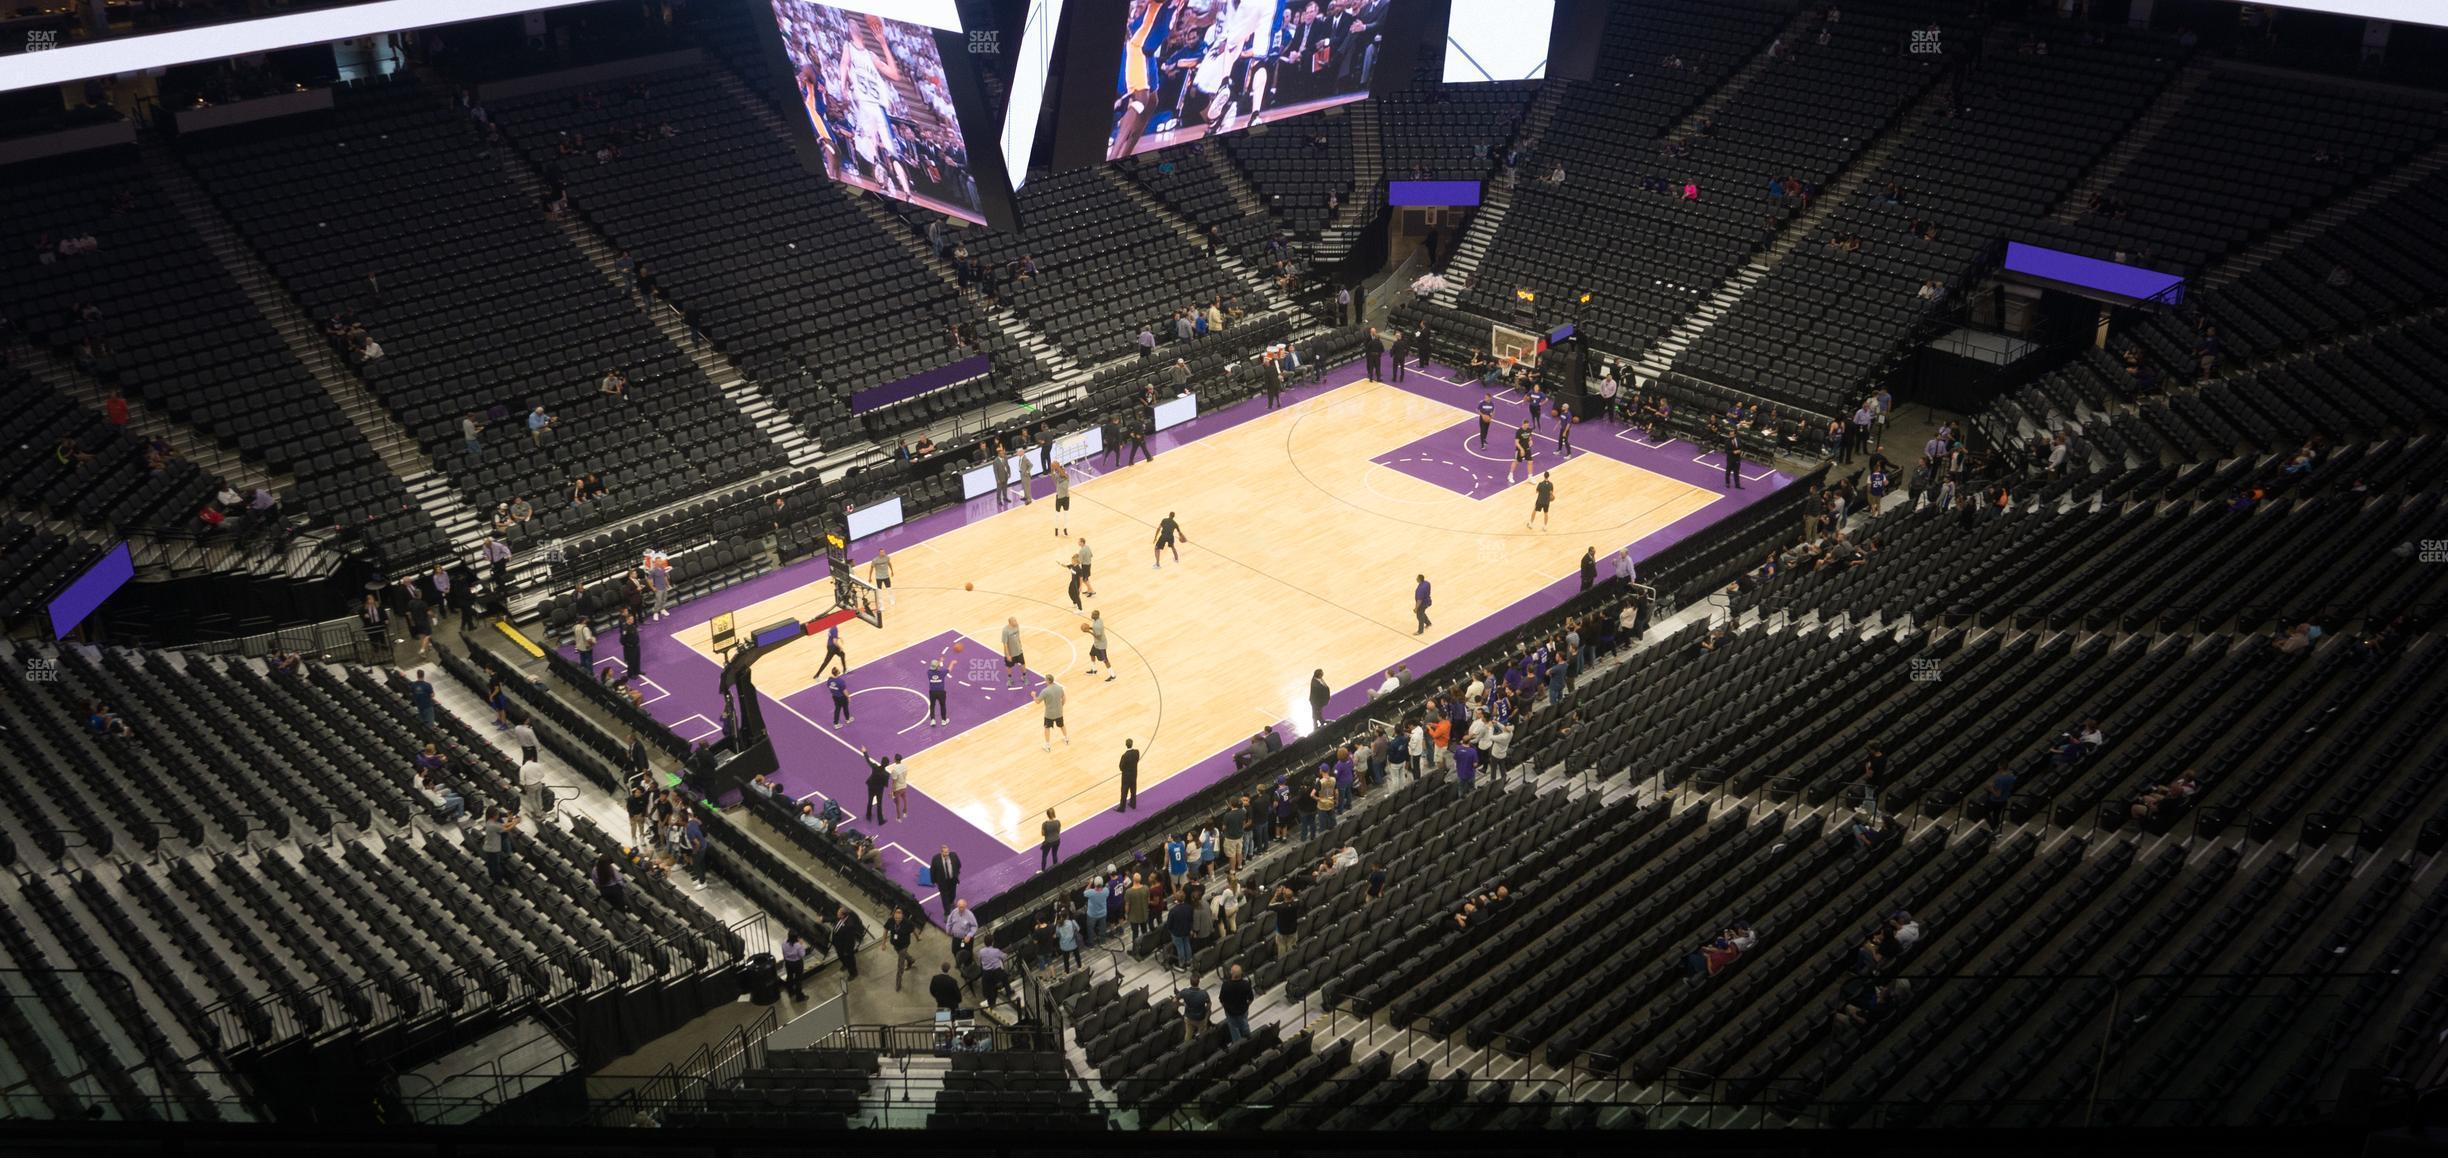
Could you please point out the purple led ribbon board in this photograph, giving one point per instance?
(1432, 194)
(875, 397)
(87, 591)
(2107, 277)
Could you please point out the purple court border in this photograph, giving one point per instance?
(814, 760)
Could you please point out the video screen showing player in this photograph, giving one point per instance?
(1195, 68)
(874, 89)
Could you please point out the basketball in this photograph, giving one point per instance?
(1085, 629)
(959, 648)
(968, 586)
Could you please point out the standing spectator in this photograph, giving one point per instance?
(945, 869)
(991, 977)
(421, 693)
(848, 931)
(1319, 694)
(500, 827)
(944, 988)
(693, 842)
(582, 640)
(525, 734)
(1067, 938)
(794, 965)
(630, 644)
(1192, 1001)
(1135, 905)
(1049, 847)
(961, 926)
(1287, 909)
(899, 930)
(497, 558)
(1235, 995)
(1092, 908)
(1178, 923)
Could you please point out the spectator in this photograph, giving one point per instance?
(2172, 796)
(1179, 921)
(794, 965)
(1192, 1001)
(1235, 995)
(900, 929)
(1067, 937)
(1287, 909)
(610, 884)
(961, 926)
(1997, 793)
(945, 988)
(421, 695)
(848, 931)
(992, 979)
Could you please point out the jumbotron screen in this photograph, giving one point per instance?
(876, 93)
(1196, 68)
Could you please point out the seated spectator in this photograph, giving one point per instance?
(1870, 831)
(615, 384)
(2171, 797)
(764, 785)
(449, 806)
(521, 510)
(1903, 932)
(1873, 1004)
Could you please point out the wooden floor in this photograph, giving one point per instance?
(1302, 555)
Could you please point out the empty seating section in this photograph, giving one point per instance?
(1458, 133)
(775, 263)
(1619, 227)
(256, 945)
(1831, 317)
(1187, 178)
(2250, 151)
(484, 308)
(1301, 168)
(171, 328)
(77, 466)
(2381, 263)
(1106, 265)
(34, 565)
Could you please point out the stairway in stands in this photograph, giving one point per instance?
(1804, 229)
(2145, 130)
(432, 489)
(1496, 199)
(795, 442)
(1257, 285)
(1368, 186)
(2311, 226)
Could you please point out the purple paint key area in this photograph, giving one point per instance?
(888, 696)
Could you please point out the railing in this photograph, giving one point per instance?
(343, 640)
(942, 1039)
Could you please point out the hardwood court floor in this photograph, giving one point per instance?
(1302, 555)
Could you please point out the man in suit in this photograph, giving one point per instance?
(1419, 345)
(1376, 356)
(945, 868)
(630, 644)
(1401, 350)
(1130, 777)
(1733, 464)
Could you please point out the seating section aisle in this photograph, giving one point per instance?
(1837, 310)
(2302, 140)
(264, 923)
(77, 466)
(484, 309)
(773, 263)
(151, 312)
(1301, 168)
(1436, 133)
(1106, 266)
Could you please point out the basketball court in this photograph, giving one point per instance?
(1307, 527)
